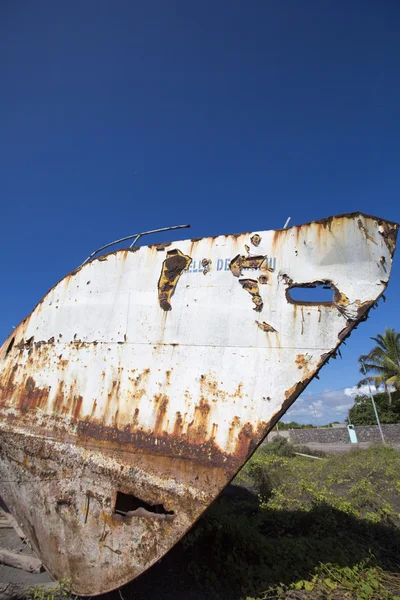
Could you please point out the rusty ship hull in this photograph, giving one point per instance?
(144, 380)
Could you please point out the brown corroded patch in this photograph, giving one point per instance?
(32, 395)
(340, 299)
(7, 385)
(251, 286)
(178, 426)
(206, 264)
(303, 361)
(197, 430)
(160, 247)
(266, 327)
(241, 262)
(211, 389)
(263, 279)
(173, 267)
(244, 439)
(165, 444)
(255, 239)
(161, 405)
(389, 233)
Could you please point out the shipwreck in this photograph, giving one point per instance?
(143, 381)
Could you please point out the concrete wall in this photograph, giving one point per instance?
(339, 435)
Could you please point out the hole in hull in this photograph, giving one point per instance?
(9, 347)
(311, 294)
(127, 503)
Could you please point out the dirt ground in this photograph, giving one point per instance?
(11, 541)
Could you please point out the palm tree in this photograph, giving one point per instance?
(384, 360)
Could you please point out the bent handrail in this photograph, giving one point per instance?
(136, 236)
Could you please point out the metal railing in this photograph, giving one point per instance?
(135, 238)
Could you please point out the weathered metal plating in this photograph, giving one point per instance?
(137, 374)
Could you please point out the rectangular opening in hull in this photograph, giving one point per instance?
(310, 294)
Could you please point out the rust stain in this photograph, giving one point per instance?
(173, 267)
(59, 398)
(160, 247)
(187, 446)
(293, 392)
(389, 233)
(244, 439)
(255, 239)
(161, 405)
(111, 398)
(7, 388)
(263, 279)
(206, 264)
(198, 428)
(178, 426)
(265, 327)
(303, 362)
(32, 396)
(251, 286)
(93, 409)
(209, 388)
(232, 430)
(76, 406)
(362, 227)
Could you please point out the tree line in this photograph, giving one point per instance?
(381, 368)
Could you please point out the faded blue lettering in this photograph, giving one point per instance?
(224, 265)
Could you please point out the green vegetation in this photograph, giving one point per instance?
(362, 412)
(62, 591)
(294, 425)
(292, 528)
(384, 361)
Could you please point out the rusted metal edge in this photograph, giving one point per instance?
(324, 221)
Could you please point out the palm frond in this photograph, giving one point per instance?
(382, 362)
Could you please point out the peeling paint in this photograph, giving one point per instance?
(389, 233)
(266, 327)
(251, 286)
(173, 267)
(241, 262)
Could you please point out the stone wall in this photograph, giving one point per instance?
(338, 435)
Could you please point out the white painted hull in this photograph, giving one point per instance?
(134, 376)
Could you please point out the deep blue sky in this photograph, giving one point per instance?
(122, 116)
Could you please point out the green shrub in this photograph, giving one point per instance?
(299, 529)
